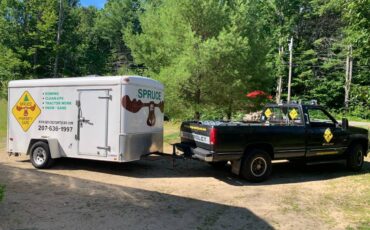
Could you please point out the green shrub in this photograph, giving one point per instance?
(2, 191)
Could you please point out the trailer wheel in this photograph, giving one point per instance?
(256, 165)
(40, 155)
(355, 158)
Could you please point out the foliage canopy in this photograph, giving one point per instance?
(209, 54)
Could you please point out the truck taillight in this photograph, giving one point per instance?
(212, 136)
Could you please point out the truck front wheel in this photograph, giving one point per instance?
(355, 158)
(256, 165)
(40, 155)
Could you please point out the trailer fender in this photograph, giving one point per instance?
(53, 146)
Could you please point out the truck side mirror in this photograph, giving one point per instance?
(344, 123)
(306, 118)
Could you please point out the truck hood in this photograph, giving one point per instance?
(358, 130)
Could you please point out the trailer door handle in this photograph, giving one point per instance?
(104, 148)
(86, 121)
(106, 97)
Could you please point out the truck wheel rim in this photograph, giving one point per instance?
(258, 166)
(360, 157)
(39, 155)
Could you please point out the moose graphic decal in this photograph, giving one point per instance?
(134, 106)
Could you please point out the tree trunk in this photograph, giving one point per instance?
(59, 34)
(197, 98)
(229, 111)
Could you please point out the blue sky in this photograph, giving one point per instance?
(97, 3)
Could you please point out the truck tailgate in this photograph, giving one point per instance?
(197, 135)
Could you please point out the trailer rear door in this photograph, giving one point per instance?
(93, 122)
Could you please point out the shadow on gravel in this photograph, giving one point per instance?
(162, 167)
(41, 200)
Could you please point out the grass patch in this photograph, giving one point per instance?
(2, 191)
(352, 198)
(171, 132)
(3, 117)
(171, 138)
(3, 121)
(347, 198)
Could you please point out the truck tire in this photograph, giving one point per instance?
(40, 155)
(256, 165)
(355, 158)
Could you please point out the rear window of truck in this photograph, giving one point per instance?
(282, 116)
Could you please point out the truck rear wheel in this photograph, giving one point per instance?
(355, 158)
(256, 165)
(40, 155)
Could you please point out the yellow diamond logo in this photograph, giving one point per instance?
(268, 113)
(26, 111)
(328, 135)
(293, 114)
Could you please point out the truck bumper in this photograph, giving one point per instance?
(208, 156)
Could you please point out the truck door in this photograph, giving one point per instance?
(92, 120)
(324, 137)
(286, 131)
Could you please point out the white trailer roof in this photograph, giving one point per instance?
(86, 81)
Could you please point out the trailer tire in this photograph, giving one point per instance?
(256, 165)
(355, 158)
(40, 155)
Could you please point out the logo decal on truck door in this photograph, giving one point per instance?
(134, 106)
(26, 111)
(328, 135)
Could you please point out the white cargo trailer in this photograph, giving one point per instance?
(116, 118)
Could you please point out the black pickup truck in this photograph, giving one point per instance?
(297, 132)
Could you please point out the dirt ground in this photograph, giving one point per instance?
(151, 194)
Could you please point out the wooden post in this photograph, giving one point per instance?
(280, 79)
(347, 85)
(290, 67)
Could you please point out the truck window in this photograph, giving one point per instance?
(294, 115)
(318, 118)
(274, 115)
(282, 115)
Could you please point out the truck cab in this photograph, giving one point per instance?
(296, 132)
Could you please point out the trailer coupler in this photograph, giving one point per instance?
(186, 153)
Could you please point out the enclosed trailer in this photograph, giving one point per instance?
(117, 118)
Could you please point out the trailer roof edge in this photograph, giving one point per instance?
(88, 80)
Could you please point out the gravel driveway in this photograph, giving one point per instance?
(151, 194)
